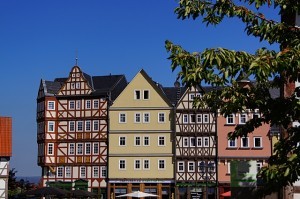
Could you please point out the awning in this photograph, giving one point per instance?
(226, 194)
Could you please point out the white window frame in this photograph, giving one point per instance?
(103, 171)
(161, 117)
(72, 126)
(232, 141)
(248, 144)
(180, 166)
(72, 105)
(79, 146)
(259, 165)
(205, 141)
(50, 149)
(137, 117)
(199, 142)
(88, 124)
(68, 172)
(78, 104)
(88, 104)
(79, 126)
(243, 116)
(192, 118)
(95, 125)
(122, 118)
(82, 172)
(205, 118)
(122, 163)
(228, 167)
(185, 119)
(95, 104)
(146, 164)
(51, 126)
(88, 148)
(95, 171)
(146, 141)
(137, 141)
(144, 94)
(96, 148)
(161, 164)
(60, 172)
(199, 118)
(260, 141)
(192, 142)
(121, 140)
(191, 166)
(51, 105)
(137, 94)
(185, 142)
(72, 149)
(160, 139)
(229, 117)
(146, 117)
(137, 164)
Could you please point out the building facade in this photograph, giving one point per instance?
(140, 140)
(72, 126)
(5, 154)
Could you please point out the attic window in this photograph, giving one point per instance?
(78, 85)
(146, 94)
(137, 94)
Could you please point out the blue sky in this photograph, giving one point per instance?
(39, 40)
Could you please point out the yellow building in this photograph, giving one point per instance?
(140, 140)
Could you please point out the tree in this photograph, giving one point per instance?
(222, 67)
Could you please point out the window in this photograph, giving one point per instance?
(95, 104)
(51, 126)
(256, 115)
(82, 172)
(146, 164)
(137, 118)
(96, 148)
(206, 141)
(60, 172)
(180, 166)
(161, 141)
(71, 149)
(228, 167)
(258, 166)
(185, 119)
(201, 167)
(50, 148)
(192, 96)
(71, 126)
(146, 141)
(199, 118)
(199, 142)
(122, 141)
(211, 167)
(244, 142)
(122, 118)
(122, 164)
(96, 125)
(78, 104)
(137, 164)
(192, 142)
(161, 117)
(161, 164)
(230, 119)
(68, 171)
(257, 142)
(206, 118)
(146, 95)
(192, 118)
(87, 148)
(51, 105)
(146, 117)
(72, 105)
(185, 142)
(232, 143)
(95, 172)
(78, 85)
(191, 167)
(88, 104)
(243, 118)
(73, 85)
(79, 125)
(137, 94)
(79, 148)
(137, 141)
(103, 172)
(87, 125)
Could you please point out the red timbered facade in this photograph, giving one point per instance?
(72, 121)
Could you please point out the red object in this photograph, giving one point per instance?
(226, 194)
(5, 137)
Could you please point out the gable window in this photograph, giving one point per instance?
(161, 141)
(71, 126)
(257, 142)
(51, 105)
(137, 94)
(137, 164)
(206, 118)
(50, 148)
(146, 95)
(122, 141)
(232, 143)
(95, 125)
(192, 96)
(88, 104)
(146, 164)
(87, 125)
(161, 164)
(79, 125)
(103, 171)
(199, 118)
(161, 117)
(51, 126)
(245, 142)
(122, 164)
(95, 148)
(82, 172)
(199, 142)
(180, 166)
(122, 118)
(146, 141)
(230, 119)
(95, 104)
(191, 167)
(79, 148)
(71, 105)
(137, 141)
(243, 118)
(185, 118)
(95, 172)
(71, 149)
(78, 85)
(137, 118)
(146, 117)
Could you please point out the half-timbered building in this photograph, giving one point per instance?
(5, 154)
(141, 140)
(72, 128)
(195, 145)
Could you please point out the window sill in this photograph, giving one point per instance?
(229, 124)
(231, 148)
(258, 148)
